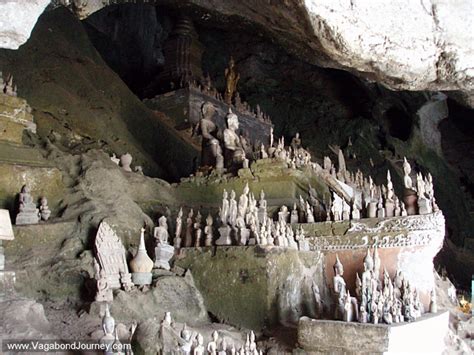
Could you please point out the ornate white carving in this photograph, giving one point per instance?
(389, 233)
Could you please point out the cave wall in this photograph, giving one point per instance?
(326, 106)
(79, 103)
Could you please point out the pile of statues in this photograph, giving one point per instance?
(366, 200)
(187, 342)
(243, 221)
(377, 301)
(110, 263)
(8, 88)
(28, 213)
(231, 95)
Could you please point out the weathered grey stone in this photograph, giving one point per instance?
(425, 45)
(425, 335)
(252, 286)
(17, 19)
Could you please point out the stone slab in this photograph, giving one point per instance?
(11, 131)
(254, 287)
(6, 229)
(184, 105)
(426, 335)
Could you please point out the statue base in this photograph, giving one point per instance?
(23, 218)
(163, 255)
(141, 278)
(224, 238)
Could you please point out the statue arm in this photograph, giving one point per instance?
(206, 134)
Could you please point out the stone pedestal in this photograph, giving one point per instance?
(163, 255)
(141, 278)
(28, 217)
(244, 236)
(389, 209)
(424, 206)
(224, 238)
(372, 210)
(425, 335)
(411, 202)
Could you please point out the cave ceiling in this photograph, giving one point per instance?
(425, 45)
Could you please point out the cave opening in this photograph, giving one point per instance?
(399, 123)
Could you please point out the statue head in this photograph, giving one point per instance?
(368, 261)
(207, 110)
(186, 333)
(406, 166)
(108, 322)
(209, 220)
(231, 62)
(215, 335)
(44, 201)
(232, 194)
(25, 189)
(162, 221)
(246, 189)
(262, 195)
(232, 120)
(338, 268)
(224, 194)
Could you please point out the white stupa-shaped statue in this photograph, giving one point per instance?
(141, 265)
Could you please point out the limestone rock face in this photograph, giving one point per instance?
(17, 19)
(424, 45)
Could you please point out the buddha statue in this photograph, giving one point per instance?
(28, 213)
(234, 153)
(339, 289)
(108, 326)
(160, 233)
(45, 212)
(208, 130)
(231, 80)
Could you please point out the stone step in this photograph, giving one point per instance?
(22, 155)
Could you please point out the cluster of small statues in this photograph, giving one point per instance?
(377, 301)
(28, 212)
(8, 88)
(187, 342)
(366, 199)
(243, 221)
(231, 95)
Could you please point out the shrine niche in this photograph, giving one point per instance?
(111, 257)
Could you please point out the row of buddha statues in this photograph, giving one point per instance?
(239, 106)
(376, 301)
(231, 96)
(7, 86)
(174, 340)
(28, 212)
(242, 221)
